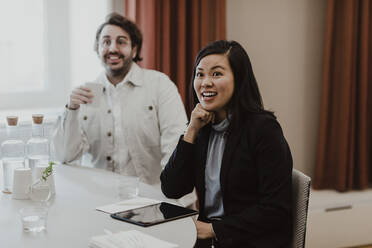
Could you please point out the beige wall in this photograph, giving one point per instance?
(284, 39)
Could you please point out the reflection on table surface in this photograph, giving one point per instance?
(72, 218)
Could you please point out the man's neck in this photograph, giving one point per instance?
(118, 76)
(115, 79)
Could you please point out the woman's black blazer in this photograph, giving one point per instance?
(255, 178)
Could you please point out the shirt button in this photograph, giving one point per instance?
(109, 111)
(85, 118)
(108, 158)
(150, 107)
(109, 134)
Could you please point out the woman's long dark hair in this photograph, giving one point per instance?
(246, 98)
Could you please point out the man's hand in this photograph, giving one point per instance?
(204, 230)
(79, 95)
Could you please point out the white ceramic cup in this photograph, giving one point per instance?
(97, 90)
(21, 182)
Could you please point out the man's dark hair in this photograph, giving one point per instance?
(128, 26)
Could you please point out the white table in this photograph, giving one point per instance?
(72, 218)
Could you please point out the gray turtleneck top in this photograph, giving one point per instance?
(213, 197)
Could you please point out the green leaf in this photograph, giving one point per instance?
(48, 171)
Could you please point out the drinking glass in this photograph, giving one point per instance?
(128, 187)
(34, 219)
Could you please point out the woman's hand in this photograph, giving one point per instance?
(79, 95)
(204, 230)
(199, 118)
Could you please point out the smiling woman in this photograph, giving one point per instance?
(235, 155)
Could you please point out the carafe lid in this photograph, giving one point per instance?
(12, 120)
(37, 118)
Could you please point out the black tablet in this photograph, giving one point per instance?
(154, 214)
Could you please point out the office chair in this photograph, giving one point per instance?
(300, 204)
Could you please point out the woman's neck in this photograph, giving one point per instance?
(220, 116)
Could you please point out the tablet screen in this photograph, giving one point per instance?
(154, 214)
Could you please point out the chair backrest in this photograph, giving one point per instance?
(300, 204)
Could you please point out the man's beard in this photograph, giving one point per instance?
(123, 70)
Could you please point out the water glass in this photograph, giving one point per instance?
(34, 219)
(128, 187)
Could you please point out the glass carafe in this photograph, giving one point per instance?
(38, 147)
(13, 153)
(40, 191)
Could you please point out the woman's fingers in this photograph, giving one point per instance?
(200, 117)
(207, 117)
(202, 114)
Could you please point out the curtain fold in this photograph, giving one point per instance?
(173, 33)
(344, 147)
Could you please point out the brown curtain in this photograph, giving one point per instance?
(344, 160)
(173, 33)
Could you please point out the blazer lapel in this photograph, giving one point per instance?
(230, 147)
(202, 158)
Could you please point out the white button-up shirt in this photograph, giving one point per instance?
(133, 131)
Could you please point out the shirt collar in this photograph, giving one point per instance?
(222, 126)
(133, 77)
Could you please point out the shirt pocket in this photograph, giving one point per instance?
(91, 124)
(148, 125)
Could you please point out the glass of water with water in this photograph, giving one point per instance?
(34, 219)
(127, 186)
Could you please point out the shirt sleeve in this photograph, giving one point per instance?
(68, 138)
(177, 177)
(172, 117)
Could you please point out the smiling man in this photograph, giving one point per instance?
(140, 115)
